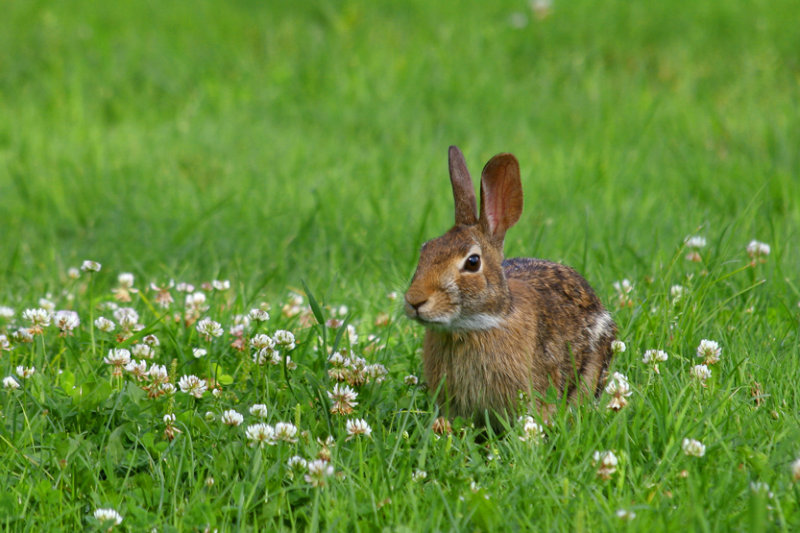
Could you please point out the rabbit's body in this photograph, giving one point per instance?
(497, 328)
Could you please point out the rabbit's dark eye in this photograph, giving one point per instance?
(473, 263)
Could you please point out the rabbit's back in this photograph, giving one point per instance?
(572, 326)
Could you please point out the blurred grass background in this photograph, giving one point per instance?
(274, 142)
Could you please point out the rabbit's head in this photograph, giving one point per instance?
(459, 283)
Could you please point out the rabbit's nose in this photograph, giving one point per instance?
(414, 302)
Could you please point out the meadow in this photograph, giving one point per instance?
(210, 212)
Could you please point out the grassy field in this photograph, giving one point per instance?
(298, 152)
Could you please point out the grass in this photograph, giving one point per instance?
(282, 145)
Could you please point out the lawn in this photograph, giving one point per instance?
(254, 180)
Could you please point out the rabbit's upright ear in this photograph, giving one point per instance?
(501, 196)
(463, 193)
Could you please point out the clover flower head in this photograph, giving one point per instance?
(232, 418)
(193, 385)
(618, 346)
(531, 430)
(108, 515)
(105, 325)
(260, 434)
(606, 463)
(259, 315)
(356, 427)
(695, 241)
(701, 373)
(693, 447)
(91, 266)
(318, 472)
(286, 432)
(259, 410)
(10, 383)
(343, 398)
(619, 389)
(209, 328)
(39, 317)
(710, 351)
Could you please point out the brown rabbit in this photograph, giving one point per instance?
(495, 327)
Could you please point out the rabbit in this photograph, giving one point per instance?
(497, 328)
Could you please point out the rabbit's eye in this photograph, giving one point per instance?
(473, 263)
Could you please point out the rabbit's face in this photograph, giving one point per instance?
(459, 283)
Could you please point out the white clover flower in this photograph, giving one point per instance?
(356, 427)
(262, 341)
(352, 336)
(336, 359)
(143, 351)
(104, 324)
(169, 418)
(232, 418)
(531, 430)
(343, 398)
(701, 372)
(23, 335)
(693, 448)
(137, 368)
(624, 286)
(199, 352)
(606, 463)
(237, 330)
(158, 374)
(209, 328)
(73, 273)
(5, 344)
(151, 340)
(221, 285)
(618, 346)
(376, 372)
(108, 515)
(419, 475)
(757, 249)
(118, 357)
(710, 351)
(167, 388)
(796, 470)
(91, 266)
(654, 356)
(47, 305)
(677, 292)
(127, 317)
(10, 383)
(284, 338)
(193, 385)
(184, 287)
(286, 432)
(624, 514)
(260, 434)
(125, 279)
(25, 371)
(259, 410)
(258, 315)
(695, 241)
(619, 389)
(39, 318)
(318, 471)
(6, 312)
(411, 380)
(297, 463)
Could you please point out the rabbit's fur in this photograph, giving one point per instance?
(510, 326)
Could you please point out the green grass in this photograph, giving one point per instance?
(275, 144)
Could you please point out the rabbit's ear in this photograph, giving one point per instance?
(463, 193)
(501, 196)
